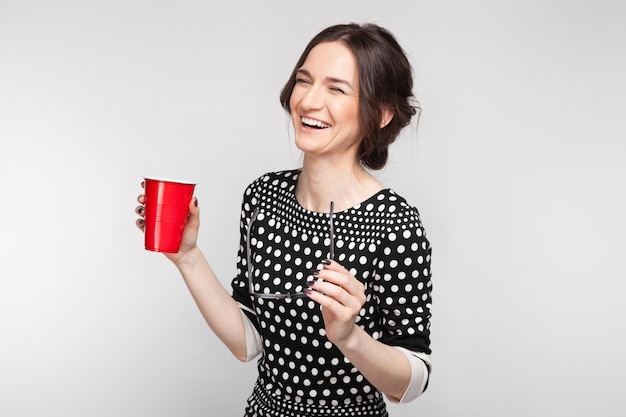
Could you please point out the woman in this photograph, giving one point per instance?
(333, 282)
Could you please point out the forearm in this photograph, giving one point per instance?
(384, 366)
(218, 308)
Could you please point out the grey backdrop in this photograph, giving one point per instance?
(517, 167)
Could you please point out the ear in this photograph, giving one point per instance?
(386, 115)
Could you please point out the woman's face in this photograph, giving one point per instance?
(324, 102)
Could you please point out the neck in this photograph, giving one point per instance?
(346, 184)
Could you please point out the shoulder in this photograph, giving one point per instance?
(273, 181)
(400, 217)
(394, 208)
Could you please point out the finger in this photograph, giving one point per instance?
(353, 300)
(194, 214)
(141, 224)
(332, 305)
(339, 276)
(325, 300)
(140, 210)
(141, 199)
(143, 184)
(330, 265)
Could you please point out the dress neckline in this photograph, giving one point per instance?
(296, 173)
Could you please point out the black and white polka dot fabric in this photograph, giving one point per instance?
(381, 241)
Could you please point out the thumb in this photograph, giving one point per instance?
(194, 214)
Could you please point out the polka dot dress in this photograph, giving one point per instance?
(381, 241)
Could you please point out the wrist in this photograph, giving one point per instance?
(188, 259)
(352, 341)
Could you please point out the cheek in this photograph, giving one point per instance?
(294, 99)
(293, 105)
(349, 114)
(291, 102)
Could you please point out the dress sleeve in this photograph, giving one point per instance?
(403, 284)
(254, 342)
(420, 372)
(239, 284)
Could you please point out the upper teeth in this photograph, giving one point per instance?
(313, 122)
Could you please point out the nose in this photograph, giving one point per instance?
(313, 98)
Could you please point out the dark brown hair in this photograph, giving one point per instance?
(385, 81)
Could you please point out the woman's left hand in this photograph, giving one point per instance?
(341, 296)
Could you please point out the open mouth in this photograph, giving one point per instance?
(316, 124)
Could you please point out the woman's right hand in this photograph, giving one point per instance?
(190, 234)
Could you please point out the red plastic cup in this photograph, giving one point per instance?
(166, 212)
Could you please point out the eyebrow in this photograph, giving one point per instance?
(329, 79)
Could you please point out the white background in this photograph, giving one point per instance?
(517, 167)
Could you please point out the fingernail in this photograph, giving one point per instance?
(195, 202)
(315, 272)
(310, 283)
(308, 291)
(326, 262)
(141, 221)
(140, 210)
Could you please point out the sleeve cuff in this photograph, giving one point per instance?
(254, 343)
(420, 371)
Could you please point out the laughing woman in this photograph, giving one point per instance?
(332, 292)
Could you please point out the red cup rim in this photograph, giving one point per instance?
(170, 180)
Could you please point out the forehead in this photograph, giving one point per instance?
(332, 59)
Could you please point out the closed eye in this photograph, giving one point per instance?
(337, 90)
